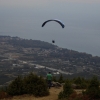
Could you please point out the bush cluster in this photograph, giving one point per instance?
(3, 93)
(30, 84)
(37, 86)
(92, 91)
(67, 90)
(81, 83)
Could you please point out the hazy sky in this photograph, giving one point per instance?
(23, 18)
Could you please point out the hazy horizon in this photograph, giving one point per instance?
(24, 18)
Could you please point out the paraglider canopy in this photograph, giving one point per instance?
(56, 20)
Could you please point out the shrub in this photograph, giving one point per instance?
(3, 95)
(81, 83)
(93, 89)
(54, 79)
(3, 92)
(67, 90)
(30, 84)
(61, 80)
(35, 85)
(72, 96)
(75, 96)
(16, 87)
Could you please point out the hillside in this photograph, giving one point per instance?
(20, 56)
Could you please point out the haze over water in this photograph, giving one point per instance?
(23, 18)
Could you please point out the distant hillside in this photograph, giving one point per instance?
(16, 41)
(20, 56)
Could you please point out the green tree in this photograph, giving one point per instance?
(93, 89)
(80, 82)
(30, 84)
(35, 85)
(16, 87)
(61, 80)
(67, 90)
(54, 79)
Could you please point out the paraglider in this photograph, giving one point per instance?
(53, 41)
(56, 20)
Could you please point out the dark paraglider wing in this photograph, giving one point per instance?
(56, 20)
(45, 22)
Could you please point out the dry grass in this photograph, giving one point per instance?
(53, 95)
(79, 91)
